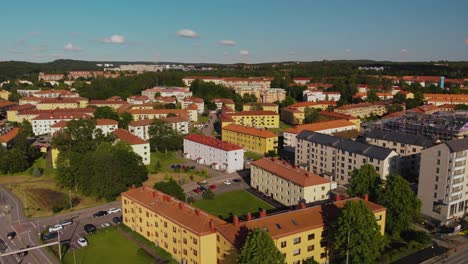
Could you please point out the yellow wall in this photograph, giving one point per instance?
(268, 121)
(248, 107)
(4, 94)
(11, 116)
(251, 143)
(54, 155)
(52, 106)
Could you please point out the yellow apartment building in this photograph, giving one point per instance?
(255, 118)
(12, 112)
(141, 114)
(328, 115)
(263, 106)
(252, 139)
(188, 234)
(362, 110)
(4, 94)
(294, 114)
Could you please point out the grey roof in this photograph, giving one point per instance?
(352, 146)
(457, 145)
(400, 137)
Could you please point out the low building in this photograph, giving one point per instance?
(255, 118)
(362, 110)
(5, 105)
(255, 140)
(338, 157)
(12, 112)
(115, 104)
(213, 152)
(41, 125)
(260, 106)
(325, 127)
(442, 179)
(30, 114)
(302, 80)
(55, 94)
(295, 113)
(288, 184)
(139, 68)
(441, 99)
(186, 102)
(140, 128)
(317, 95)
(178, 92)
(220, 102)
(50, 77)
(328, 115)
(138, 99)
(7, 136)
(107, 126)
(139, 146)
(140, 114)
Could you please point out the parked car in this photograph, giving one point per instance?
(49, 235)
(89, 228)
(82, 242)
(99, 214)
(104, 225)
(11, 235)
(236, 180)
(197, 190)
(113, 210)
(56, 228)
(117, 220)
(23, 253)
(227, 182)
(213, 186)
(192, 167)
(3, 246)
(66, 222)
(202, 188)
(173, 166)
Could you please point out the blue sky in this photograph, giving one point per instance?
(233, 31)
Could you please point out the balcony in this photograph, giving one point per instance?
(455, 197)
(459, 181)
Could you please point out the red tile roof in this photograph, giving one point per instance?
(106, 102)
(128, 137)
(193, 100)
(6, 103)
(288, 172)
(320, 126)
(361, 105)
(106, 122)
(60, 124)
(250, 131)
(9, 136)
(337, 115)
(308, 104)
(213, 142)
(253, 113)
(223, 100)
(66, 116)
(22, 107)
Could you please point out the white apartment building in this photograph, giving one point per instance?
(138, 99)
(213, 152)
(186, 102)
(140, 128)
(179, 92)
(107, 126)
(141, 67)
(317, 95)
(288, 184)
(41, 125)
(442, 180)
(55, 94)
(139, 146)
(337, 157)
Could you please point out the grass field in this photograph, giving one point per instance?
(165, 159)
(108, 246)
(282, 127)
(238, 203)
(251, 155)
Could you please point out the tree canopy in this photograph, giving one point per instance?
(259, 248)
(172, 188)
(163, 137)
(311, 115)
(365, 180)
(21, 155)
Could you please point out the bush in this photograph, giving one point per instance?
(143, 253)
(208, 195)
(418, 236)
(190, 200)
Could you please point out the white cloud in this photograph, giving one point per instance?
(226, 42)
(187, 33)
(70, 47)
(244, 53)
(403, 50)
(114, 39)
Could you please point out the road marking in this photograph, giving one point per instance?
(42, 253)
(16, 204)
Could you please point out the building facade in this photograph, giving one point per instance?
(139, 146)
(256, 118)
(362, 110)
(255, 140)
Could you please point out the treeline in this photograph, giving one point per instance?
(89, 162)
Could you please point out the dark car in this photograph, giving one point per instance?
(117, 220)
(202, 188)
(236, 180)
(49, 235)
(89, 228)
(11, 235)
(99, 214)
(23, 253)
(192, 167)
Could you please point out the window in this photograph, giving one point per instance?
(310, 248)
(297, 252)
(297, 240)
(195, 241)
(283, 244)
(195, 253)
(174, 230)
(311, 236)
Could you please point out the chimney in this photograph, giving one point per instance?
(133, 186)
(235, 220)
(263, 213)
(181, 205)
(302, 205)
(249, 216)
(366, 197)
(197, 212)
(154, 194)
(212, 225)
(337, 197)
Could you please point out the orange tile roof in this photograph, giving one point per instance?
(306, 104)
(63, 115)
(106, 122)
(176, 119)
(60, 124)
(288, 172)
(9, 136)
(195, 220)
(354, 106)
(158, 111)
(291, 222)
(128, 137)
(193, 99)
(425, 108)
(22, 107)
(106, 102)
(192, 107)
(319, 126)
(394, 115)
(337, 115)
(302, 79)
(213, 142)
(223, 100)
(65, 110)
(250, 131)
(6, 103)
(143, 122)
(254, 112)
(165, 99)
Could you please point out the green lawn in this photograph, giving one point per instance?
(203, 119)
(166, 159)
(282, 127)
(238, 203)
(108, 246)
(252, 155)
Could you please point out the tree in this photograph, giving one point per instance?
(106, 112)
(163, 137)
(311, 115)
(365, 180)
(372, 96)
(287, 101)
(259, 248)
(124, 119)
(356, 234)
(208, 194)
(394, 108)
(172, 188)
(403, 207)
(26, 128)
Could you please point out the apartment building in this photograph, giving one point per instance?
(30, 114)
(138, 99)
(302, 80)
(408, 146)
(220, 102)
(54, 94)
(338, 157)
(272, 95)
(140, 114)
(140, 128)
(232, 82)
(260, 106)
(317, 95)
(213, 152)
(362, 110)
(50, 77)
(325, 127)
(440, 99)
(255, 118)
(442, 180)
(41, 124)
(115, 104)
(106, 126)
(186, 102)
(329, 115)
(295, 113)
(287, 183)
(139, 146)
(178, 92)
(139, 68)
(7, 136)
(251, 139)
(193, 236)
(4, 94)
(13, 111)
(187, 233)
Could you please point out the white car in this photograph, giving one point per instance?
(55, 228)
(227, 182)
(82, 242)
(113, 210)
(103, 225)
